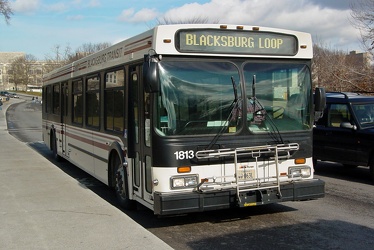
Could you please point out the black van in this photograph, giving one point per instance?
(345, 133)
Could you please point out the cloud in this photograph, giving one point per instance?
(94, 3)
(57, 7)
(85, 3)
(328, 24)
(143, 15)
(126, 14)
(25, 6)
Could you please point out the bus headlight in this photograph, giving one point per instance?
(303, 172)
(187, 181)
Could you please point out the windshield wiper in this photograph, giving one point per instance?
(274, 131)
(233, 108)
(235, 89)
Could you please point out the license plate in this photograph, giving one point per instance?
(246, 174)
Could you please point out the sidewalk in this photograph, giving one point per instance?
(43, 208)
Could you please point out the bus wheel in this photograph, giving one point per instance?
(120, 185)
(54, 148)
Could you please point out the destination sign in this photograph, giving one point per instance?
(236, 42)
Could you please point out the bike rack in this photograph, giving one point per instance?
(272, 152)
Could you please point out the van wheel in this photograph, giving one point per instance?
(372, 170)
(314, 162)
(120, 185)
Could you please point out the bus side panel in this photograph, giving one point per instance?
(80, 148)
(101, 163)
(46, 133)
(101, 147)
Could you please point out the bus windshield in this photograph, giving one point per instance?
(196, 97)
(199, 97)
(281, 92)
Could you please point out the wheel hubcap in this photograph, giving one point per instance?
(120, 182)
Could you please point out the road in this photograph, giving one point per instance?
(24, 120)
(344, 219)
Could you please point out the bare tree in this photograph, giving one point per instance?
(22, 70)
(326, 72)
(59, 54)
(92, 48)
(62, 56)
(336, 71)
(59, 57)
(362, 12)
(87, 49)
(5, 10)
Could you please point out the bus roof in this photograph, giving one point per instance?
(212, 40)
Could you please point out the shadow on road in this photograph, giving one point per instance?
(141, 213)
(251, 227)
(359, 174)
(298, 236)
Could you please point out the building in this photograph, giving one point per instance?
(362, 60)
(8, 77)
(6, 59)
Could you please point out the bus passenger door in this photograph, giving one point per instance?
(142, 179)
(64, 116)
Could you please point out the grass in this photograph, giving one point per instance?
(28, 93)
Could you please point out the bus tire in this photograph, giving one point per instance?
(121, 185)
(54, 147)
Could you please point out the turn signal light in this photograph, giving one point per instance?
(184, 169)
(300, 161)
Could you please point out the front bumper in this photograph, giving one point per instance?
(171, 203)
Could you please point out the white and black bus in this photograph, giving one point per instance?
(192, 117)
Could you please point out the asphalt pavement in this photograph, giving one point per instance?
(43, 208)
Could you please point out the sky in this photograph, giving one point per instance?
(38, 26)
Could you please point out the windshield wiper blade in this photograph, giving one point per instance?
(235, 89)
(233, 107)
(273, 126)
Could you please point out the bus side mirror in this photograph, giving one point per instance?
(319, 99)
(150, 74)
(319, 103)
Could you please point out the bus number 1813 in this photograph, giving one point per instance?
(184, 155)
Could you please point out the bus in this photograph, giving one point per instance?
(191, 117)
